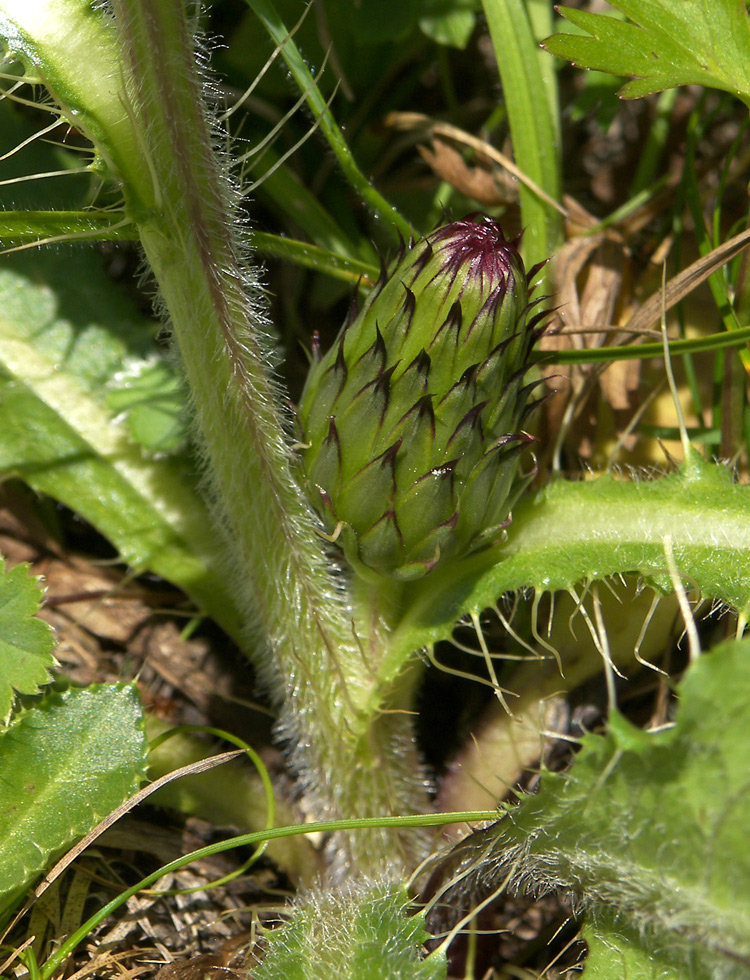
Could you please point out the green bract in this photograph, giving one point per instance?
(411, 423)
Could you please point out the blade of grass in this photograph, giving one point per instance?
(542, 24)
(688, 365)
(719, 341)
(31, 227)
(731, 368)
(318, 259)
(632, 205)
(269, 17)
(717, 280)
(250, 840)
(533, 123)
(742, 307)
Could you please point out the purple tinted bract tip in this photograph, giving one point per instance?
(476, 248)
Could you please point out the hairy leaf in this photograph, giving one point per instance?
(26, 642)
(663, 44)
(148, 396)
(57, 360)
(648, 833)
(579, 532)
(617, 952)
(64, 765)
(66, 332)
(359, 932)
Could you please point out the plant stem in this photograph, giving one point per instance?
(307, 654)
(270, 19)
(133, 87)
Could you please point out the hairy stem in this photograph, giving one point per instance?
(142, 104)
(312, 660)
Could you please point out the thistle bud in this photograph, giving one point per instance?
(412, 422)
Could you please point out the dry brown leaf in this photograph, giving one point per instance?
(578, 221)
(601, 296)
(474, 182)
(206, 966)
(684, 283)
(593, 274)
(619, 384)
(425, 127)
(93, 597)
(231, 961)
(186, 665)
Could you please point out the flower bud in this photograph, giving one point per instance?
(412, 421)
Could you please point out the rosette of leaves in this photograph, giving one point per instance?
(412, 424)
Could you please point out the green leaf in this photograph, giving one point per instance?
(449, 22)
(57, 361)
(579, 532)
(66, 330)
(26, 642)
(65, 764)
(667, 44)
(615, 951)
(149, 397)
(26, 227)
(649, 830)
(530, 95)
(361, 931)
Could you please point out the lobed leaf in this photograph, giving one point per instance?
(359, 932)
(26, 642)
(65, 764)
(647, 832)
(57, 362)
(66, 333)
(573, 532)
(663, 44)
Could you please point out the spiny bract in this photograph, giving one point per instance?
(412, 422)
